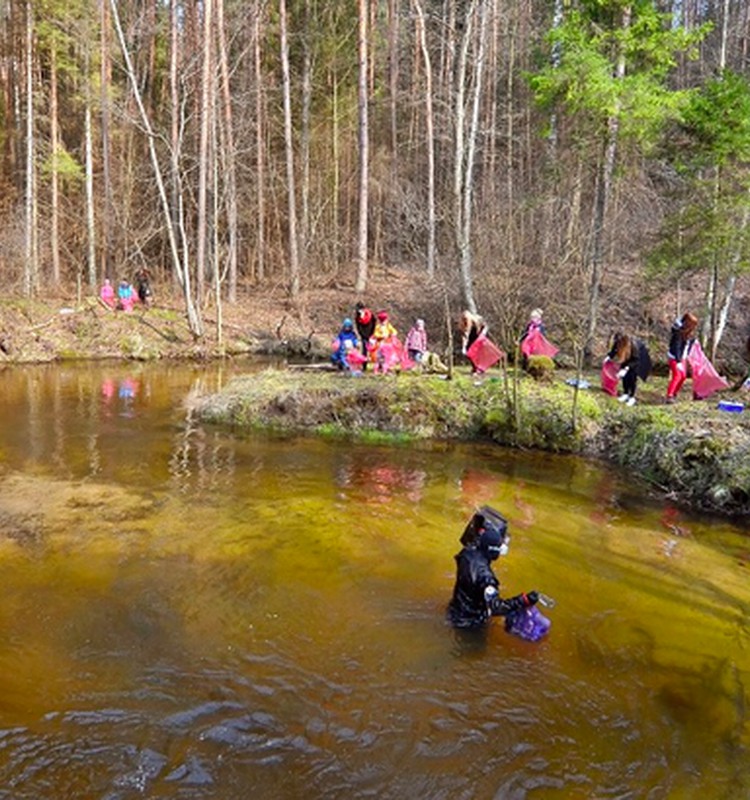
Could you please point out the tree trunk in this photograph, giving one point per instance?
(54, 176)
(260, 161)
(175, 117)
(307, 92)
(89, 157)
(601, 207)
(364, 155)
(205, 153)
(229, 158)
(294, 285)
(466, 142)
(31, 247)
(430, 137)
(183, 274)
(105, 78)
(336, 182)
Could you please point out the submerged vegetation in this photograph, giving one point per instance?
(693, 452)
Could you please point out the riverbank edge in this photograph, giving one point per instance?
(690, 453)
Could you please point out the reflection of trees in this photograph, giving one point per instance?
(199, 454)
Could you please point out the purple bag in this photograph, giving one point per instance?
(529, 624)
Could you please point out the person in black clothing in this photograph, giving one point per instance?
(476, 594)
(143, 285)
(635, 362)
(364, 320)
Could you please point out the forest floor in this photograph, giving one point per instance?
(67, 327)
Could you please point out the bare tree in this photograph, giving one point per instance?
(260, 160)
(430, 140)
(31, 246)
(182, 272)
(601, 203)
(54, 173)
(289, 149)
(105, 77)
(229, 156)
(467, 132)
(364, 149)
(206, 150)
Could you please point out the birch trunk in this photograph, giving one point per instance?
(205, 150)
(31, 265)
(89, 169)
(294, 283)
(105, 77)
(260, 162)
(183, 273)
(601, 207)
(229, 157)
(364, 155)
(54, 177)
(430, 137)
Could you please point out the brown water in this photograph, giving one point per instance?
(189, 613)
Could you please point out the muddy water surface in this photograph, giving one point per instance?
(193, 613)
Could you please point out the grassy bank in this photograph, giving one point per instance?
(693, 452)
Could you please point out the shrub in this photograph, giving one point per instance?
(540, 368)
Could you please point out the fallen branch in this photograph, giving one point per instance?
(170, 336)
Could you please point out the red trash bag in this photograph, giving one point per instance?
(609, 377)
(483, 354)
(706, 380)
(535, 344)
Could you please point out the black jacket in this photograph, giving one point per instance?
(640, 359)
(679, 344)
(468, 607)
(365, 321)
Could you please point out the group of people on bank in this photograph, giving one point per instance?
(371, 339)
(629, 361)
(483, 353)
(126, 295)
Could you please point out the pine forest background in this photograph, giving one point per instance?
(587, 156)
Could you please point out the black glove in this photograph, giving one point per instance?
(531, 598)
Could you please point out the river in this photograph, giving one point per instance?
(191, 612)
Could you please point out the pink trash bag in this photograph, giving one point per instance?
(355, 359)
(536, 344)
(483, 354)
(609, 377)
(706, 380)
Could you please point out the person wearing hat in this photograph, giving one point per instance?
(345, 341)
(476, 593)
(384, 333)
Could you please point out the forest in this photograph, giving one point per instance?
(588, 156)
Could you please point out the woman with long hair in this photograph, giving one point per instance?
(681, 340)
(634, 360)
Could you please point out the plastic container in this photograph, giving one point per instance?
(731, 406)
(529, 624)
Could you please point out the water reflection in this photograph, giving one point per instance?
(188, 612)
